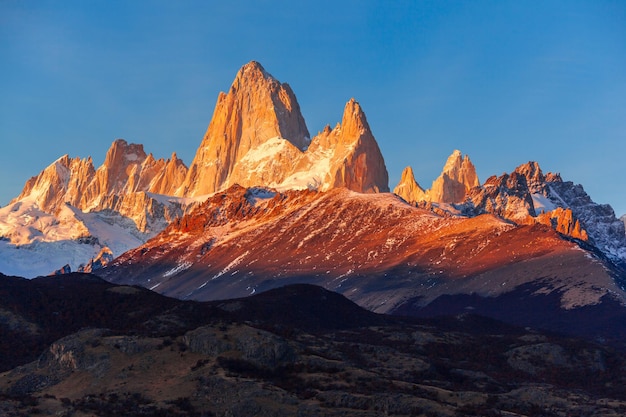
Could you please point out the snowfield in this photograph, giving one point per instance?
(35, 243)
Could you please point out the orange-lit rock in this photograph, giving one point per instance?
(408, 188)
(258, 137)
(457, 178)
(256, 108)
(562, 220)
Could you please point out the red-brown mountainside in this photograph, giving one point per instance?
(374, 248)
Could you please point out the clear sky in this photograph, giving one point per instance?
(504, 82)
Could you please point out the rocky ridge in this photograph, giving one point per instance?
(525, 196)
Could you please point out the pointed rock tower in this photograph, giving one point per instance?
(356, 162)
(452, 186)
(258, 137)
(457, 178)
(257, 108)
(408, 188)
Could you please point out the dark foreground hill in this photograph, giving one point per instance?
(79, 346)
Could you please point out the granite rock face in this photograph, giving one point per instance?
(457, 178)
(258, 137)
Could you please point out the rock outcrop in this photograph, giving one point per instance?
(457, 178)
(408, 188)
(104, 257)
(506, 195)
(562, 220)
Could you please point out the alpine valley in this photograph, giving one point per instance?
(523, 272)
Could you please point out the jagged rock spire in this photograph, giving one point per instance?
(408, 188)
(256, 108)
(257, 136)
(452, 185)
(457, 178)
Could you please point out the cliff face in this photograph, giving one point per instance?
(356, 162)
(257, 108)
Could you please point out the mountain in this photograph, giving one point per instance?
(126, 170)
(257, 137)
(82, 346)
(408, 189)
(71, 211)
(456, 179)
(377, 250)
(527, 195)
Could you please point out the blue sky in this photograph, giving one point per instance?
(505, 82)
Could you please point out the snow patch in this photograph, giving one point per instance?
(542, 203)
(229, 267)
(177, 269)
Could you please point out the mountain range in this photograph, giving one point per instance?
(263, 205)
(278, 275)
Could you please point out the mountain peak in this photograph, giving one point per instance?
(408, 189)
(251, 71)
(531, 170)
(256, 109)
(121, 154)
(258, 137)
(454, 161)
(457, 178)
(354, 121)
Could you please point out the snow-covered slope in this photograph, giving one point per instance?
(34, 242)
(70, 211)
(37, 243)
